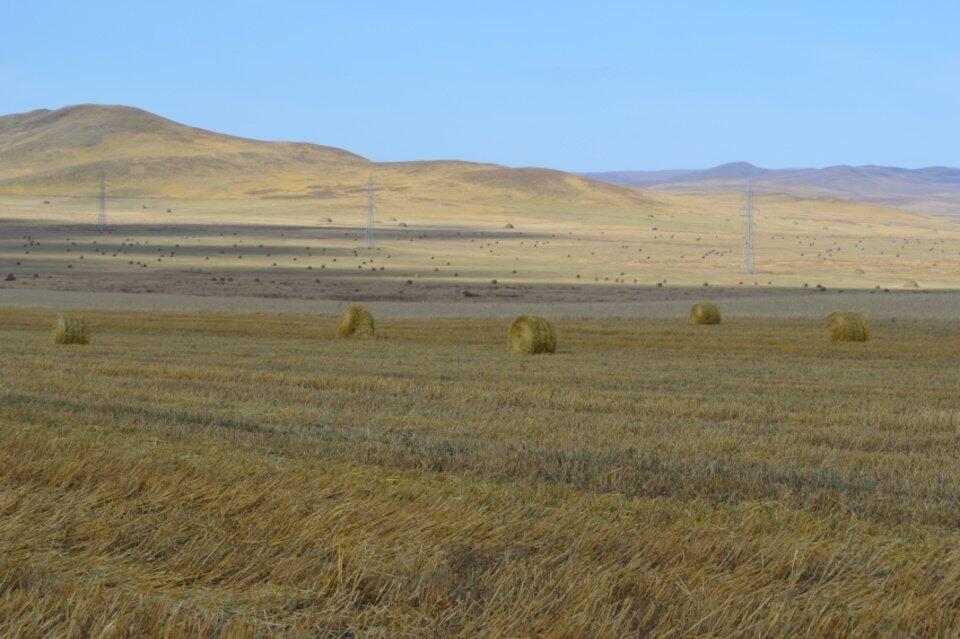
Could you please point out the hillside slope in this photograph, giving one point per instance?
(930, 190)
(61, 152)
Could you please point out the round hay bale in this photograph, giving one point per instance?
(705, 313)
(843, 326)
(71, 330)
(910, 284)
(530, 335)
(356, 323)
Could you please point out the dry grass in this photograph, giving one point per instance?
(218, 475)
(285, 246)
(705, 313)
(530, 335)
(71, 330)
(356, 323)
(843, 326)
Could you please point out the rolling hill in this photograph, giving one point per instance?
(60, 152)
(933, 190)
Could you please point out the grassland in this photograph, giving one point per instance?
(248, 475)
(62, 152)
(285, 248)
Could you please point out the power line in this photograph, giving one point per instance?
(368, 233)
(748, 262)
(102, 218)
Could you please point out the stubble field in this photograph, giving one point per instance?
(246, 475)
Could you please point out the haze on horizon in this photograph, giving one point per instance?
(583, 88)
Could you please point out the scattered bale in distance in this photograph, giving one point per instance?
(845, 326)
(10, 278)
(71, 330)
(910, 284)
(530, 335)
(508, 225)
(705, 313)
(356, 323)
(328, 220)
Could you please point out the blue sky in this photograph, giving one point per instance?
(577, 86)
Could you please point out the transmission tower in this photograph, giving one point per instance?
(368, 232)
(748, 265)
(102, 219)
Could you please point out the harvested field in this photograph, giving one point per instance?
(249, 475)
(647, 303)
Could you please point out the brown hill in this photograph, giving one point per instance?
(61, 152)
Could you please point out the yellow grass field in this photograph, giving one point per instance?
(251, 476)
(286, 248)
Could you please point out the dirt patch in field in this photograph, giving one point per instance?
(645, 303)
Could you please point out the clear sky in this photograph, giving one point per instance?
(572, 85)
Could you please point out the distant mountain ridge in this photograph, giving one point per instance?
(934, 189)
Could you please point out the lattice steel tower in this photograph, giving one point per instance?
(748, 263)
(368, 232)
(102, 218)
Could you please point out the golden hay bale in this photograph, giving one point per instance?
(530, 335)
(356, 322)
(847, 327)
(71, 330)
(910, 284)
(705, 313)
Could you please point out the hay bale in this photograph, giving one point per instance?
(530, 335)
(71, 330)
(843, 326)
(910, 284)
(356, 323)
(705, 313)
